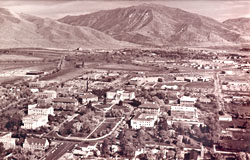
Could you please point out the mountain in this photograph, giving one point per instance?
(240, 24)
(22, 30)
(158, 25)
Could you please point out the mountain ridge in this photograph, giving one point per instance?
(156, 24)
(23, 30)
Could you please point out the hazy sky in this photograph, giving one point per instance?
(217, 9)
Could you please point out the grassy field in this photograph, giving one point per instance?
(12, 57)
(128, 67)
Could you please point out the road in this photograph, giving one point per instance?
(59, 150)
(217, 92)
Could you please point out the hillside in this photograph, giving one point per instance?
(241, 24)
(21, 30)
(158, 25)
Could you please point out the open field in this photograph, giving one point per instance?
(13, 57)
(128, 67)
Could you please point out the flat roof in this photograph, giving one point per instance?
(189, 99)
(65, 100)
(149, 106)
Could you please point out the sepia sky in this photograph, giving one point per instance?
(217, 9)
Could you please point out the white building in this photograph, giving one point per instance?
(89, 97)
(225, 118)
(144, 120)
(7, 141)
(34, 121)
(35, 144)
(149, 108)
(35, 109)
(169, 86)
(183, 113)
(120, 95)
(187, 101)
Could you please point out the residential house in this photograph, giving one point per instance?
(226, 117)
(36, 144)
(34, 121)
(7, 141)
(144, 120)
(205, 100)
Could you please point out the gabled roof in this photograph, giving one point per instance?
(36, 141)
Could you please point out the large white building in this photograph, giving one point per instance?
(187, 101)
(88, 97)
(35, 109)
(183, 113)
(65, 103)
(149, 108)
(144, 120)
(120, 95)
(34, 121)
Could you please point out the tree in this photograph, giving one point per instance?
(120, 103)
(105, 149)
(1, 148)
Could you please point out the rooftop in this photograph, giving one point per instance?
(40, 141)
(65, 100)
(88, 96)
(189, 99)
(149, 106)
(144, 117)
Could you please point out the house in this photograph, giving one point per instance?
(144, 120)
(65, 103)
(183, 113)
(149, 108)
(205, 100)
(120, 95)
(187, 101)
(36, 144)
(40, 110)
(85, 149)
(169, 86)
(88, 97)
(7, 141)
(34, 121)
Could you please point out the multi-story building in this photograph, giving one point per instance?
(35, 144)
(120, 95)
(149, 108)
(182, 113)
(65, 103)
(47, 94)
(88, 97)
(144, 120)
(34, 121)
(35, 109)
(187, 101)
(7, 141)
